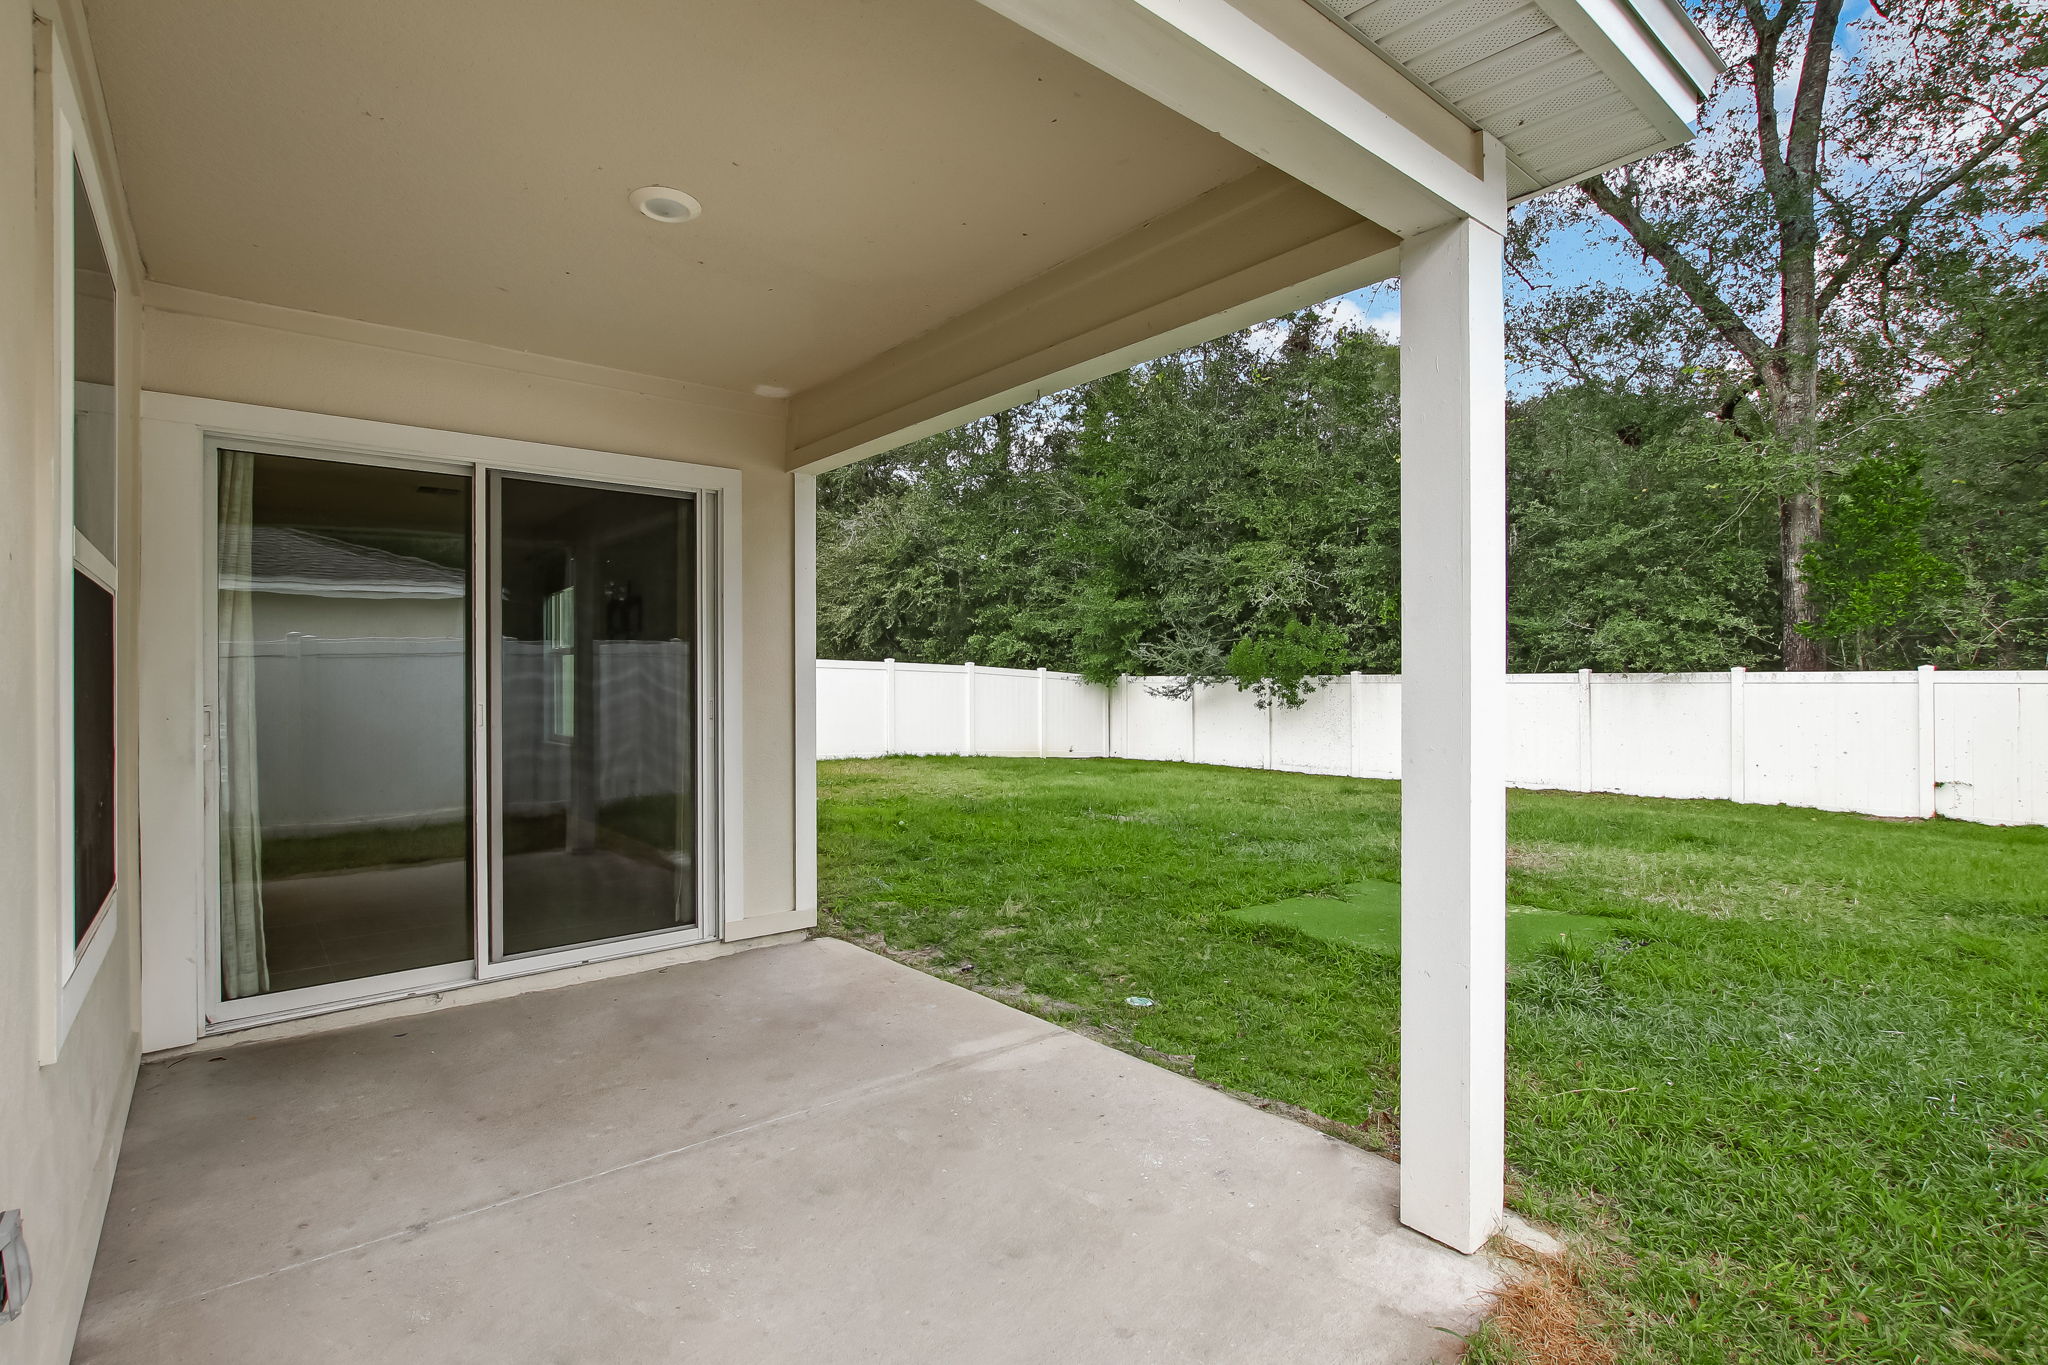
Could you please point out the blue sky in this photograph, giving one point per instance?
(1593, 251)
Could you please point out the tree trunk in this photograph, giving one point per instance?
(1798, 529)
(1795, 412)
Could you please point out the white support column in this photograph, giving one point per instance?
(1453, 732)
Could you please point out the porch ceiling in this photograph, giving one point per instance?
(461, 168)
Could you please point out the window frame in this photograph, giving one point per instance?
(78, 959)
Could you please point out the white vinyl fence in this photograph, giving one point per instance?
(1970, 745)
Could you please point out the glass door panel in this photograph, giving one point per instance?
(342, 706)
(595, 618)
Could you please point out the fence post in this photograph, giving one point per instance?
(967, 714)
(1585, 729)
(1041, 713)
(888, 706)
(1194, 728)
(1357, 704)
(1738, 742)
(1270, 708)
(1116, 692)
(1924, 795)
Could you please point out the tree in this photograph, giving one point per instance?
(1844, 174)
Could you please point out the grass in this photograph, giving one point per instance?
(1367, 914)
(1794, 1106)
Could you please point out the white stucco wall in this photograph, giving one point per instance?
(62, 1104)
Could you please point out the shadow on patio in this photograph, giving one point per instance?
(804, 1153)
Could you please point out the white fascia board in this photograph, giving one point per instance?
(1651, 52)
(1218, 65)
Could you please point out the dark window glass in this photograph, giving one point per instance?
(92, 376)
(92, 749)
(342, 701)
(597, 618)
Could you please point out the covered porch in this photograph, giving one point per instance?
(504, 343)
(808, 1153)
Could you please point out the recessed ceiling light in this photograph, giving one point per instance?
(665, 205)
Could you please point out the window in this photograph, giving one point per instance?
(93, 550)
(88, 521)
(558, 628)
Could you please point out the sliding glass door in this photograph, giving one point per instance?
(399, 808)
(595, 626)
(342, 704)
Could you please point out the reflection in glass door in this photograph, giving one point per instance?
(341, 707)
(594, 618)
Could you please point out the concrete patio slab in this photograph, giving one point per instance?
(803, 1153)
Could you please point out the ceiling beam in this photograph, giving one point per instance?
(1245, 252)
(1283, 81)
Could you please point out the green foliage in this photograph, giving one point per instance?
(1286, 666)
(1232, 514)
(1799, 1092)
(1639, 539)
(1244, 492)
(1874, 572)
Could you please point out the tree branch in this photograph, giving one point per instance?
(1682, 273)
(1900, 220)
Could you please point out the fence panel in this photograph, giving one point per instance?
(1661, 734)
(1077, 717)
(1151, 726)
(1969, 745)
(1544, 748)
(1316, 738)
(1991, 748)
(853, 702)
(1230, 728)
(1006, 712)
(1833, 741)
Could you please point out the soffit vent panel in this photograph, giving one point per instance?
(1504, 66)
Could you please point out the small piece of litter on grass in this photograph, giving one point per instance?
(1140, 1002)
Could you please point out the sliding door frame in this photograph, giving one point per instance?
(180, 435)
(705, 858)
(222, 1012)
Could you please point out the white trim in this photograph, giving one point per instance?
(165, 298)
(75, 962)
(257, 1009)
(804, 656)
(1269, 79)
(1662, 84)
(428, 999)
(179, 980)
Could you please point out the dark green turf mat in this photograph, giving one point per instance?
(1368, 915)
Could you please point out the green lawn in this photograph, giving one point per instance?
(1797, 1096)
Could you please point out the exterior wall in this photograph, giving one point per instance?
(280, 358)
(1971, 746)
(62, 1104)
